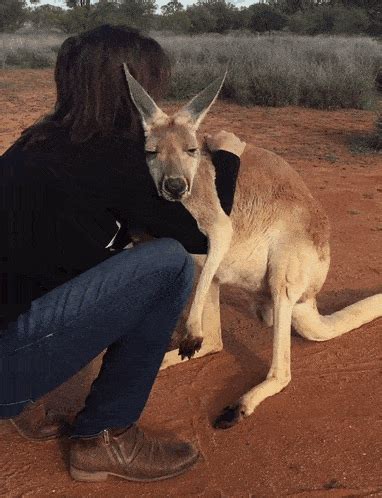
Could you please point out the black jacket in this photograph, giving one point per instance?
(59, 204)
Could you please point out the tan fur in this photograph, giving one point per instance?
(275, 244)
(279, 251)
(271, 201)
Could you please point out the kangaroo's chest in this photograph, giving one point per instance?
(245, 265)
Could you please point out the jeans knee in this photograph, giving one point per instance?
(178, 261)
(170, 247)
(165, 257)
(188, 273)
(173, 254)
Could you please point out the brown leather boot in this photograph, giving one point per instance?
(35, 424)
(131, 455)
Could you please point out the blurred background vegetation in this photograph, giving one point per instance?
(309, 17)
(317, 53)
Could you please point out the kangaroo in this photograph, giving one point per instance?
(275, 243)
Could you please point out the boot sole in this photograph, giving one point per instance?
(86, 476)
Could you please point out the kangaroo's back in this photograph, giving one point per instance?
(269, 191)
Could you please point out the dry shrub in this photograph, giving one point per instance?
(320, 72)
(32, 50)
(38, 59)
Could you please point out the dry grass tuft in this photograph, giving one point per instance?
(37, 50)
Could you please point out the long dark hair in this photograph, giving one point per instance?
(92, 96)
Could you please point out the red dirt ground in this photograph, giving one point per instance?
(322, 436)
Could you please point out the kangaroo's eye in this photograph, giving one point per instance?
(151, 153)
(192, 151)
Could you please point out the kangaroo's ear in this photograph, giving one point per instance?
(198, 107)
(147, 108)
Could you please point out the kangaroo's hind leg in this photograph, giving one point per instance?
(287, 283)
(279, 374)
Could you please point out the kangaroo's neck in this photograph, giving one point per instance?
(204, 202)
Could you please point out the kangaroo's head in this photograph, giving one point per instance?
(172, 150)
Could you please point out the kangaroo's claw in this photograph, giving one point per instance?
(229, 417)
(189, 346)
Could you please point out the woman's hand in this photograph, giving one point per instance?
(224, 140)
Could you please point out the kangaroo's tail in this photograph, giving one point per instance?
(310, 324)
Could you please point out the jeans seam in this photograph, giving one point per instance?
(16, 402)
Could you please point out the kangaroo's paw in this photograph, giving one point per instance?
(230, 416)
(189, 346)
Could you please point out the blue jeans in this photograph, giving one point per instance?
(129, 304)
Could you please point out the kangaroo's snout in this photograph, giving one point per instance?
(174, 188)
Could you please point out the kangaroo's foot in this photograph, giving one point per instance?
(230, 416)
(245, 406)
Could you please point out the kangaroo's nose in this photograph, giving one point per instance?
(175, 186)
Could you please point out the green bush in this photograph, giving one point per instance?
(329, 19)
(178, 22)
(266, 18)
(201, 19)
(350, 21)
(12, 14)
(47, 17)
(375, 24)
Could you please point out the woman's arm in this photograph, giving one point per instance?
(227, 169)
(226, 149)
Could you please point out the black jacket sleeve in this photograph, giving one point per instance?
(227, 167)
(151, 214)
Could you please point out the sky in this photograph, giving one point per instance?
(239, 3)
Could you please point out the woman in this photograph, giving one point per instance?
(65, 296)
